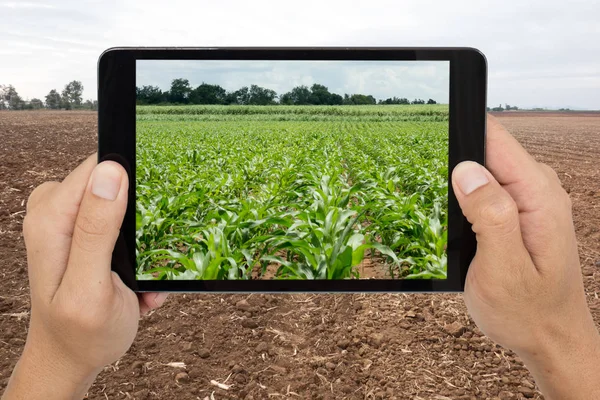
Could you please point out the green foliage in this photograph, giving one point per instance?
(71, 95)
(300, 95)
(395, 100)
(316, 95)
(10, 99)
(36, 104)
(53, 100)
(208, 94)
(180, 91)
(252, 196)
(150, 95)
(437, 112)
(259, 96)
(359, 99)
(91, 105)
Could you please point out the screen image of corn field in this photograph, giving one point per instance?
(299, 170)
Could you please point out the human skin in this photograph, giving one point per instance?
(524, 288)
(82, 315)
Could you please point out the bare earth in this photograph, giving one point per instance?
(294, 346)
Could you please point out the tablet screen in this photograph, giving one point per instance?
(262, 170)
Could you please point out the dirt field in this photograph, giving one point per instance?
(296, 346)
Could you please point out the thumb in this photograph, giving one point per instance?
(490, 209)
(97, 225)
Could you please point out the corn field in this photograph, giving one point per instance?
(298, 192)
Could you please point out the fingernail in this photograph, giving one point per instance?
(106, 181)
(160, 298)
(470, 176)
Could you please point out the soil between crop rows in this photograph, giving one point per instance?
(298, 346)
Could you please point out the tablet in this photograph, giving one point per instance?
(292, 169)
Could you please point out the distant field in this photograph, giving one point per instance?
(292, 192)
(436, 112)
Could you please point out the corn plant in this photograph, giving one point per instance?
(309, 192)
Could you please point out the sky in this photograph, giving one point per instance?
(540, 53)
(383, 79)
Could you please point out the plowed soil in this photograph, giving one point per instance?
(293, 346)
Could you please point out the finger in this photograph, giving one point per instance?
(492, 212)
(150, 301)
(504, 153)
(97, 225)
(59, 203)
(39, 195)
(513, 167)
(35, 242)
(48, 227)
(69, 194)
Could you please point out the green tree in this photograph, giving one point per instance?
(10, 99)
(418, 101)
(336, 99)
(149, 95)
(261, 96)
(3, 97)
(300, 95)
(240, 96)
(286, 99)
(90, 105)
(431, 101)
(53, 100)
(208, 94)
(36, 104)
(71, 95)
(319, 94)
(359, 99)
(395, 100)
(180, 91)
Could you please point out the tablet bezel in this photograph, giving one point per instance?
(467, 124)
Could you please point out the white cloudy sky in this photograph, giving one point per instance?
(540, 52)
(382, 79)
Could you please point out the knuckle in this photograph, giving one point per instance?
(35, 198)
(500, 212)
(92, 225)
(550, 174)
(551, 187)
(90, 232)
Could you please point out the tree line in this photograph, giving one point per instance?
(181, 92)
(69, 99)
(506, 107)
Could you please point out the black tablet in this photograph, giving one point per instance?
(292, 169)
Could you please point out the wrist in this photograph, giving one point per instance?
(564, 361)
(41, 373)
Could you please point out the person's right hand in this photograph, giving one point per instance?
(524, 287)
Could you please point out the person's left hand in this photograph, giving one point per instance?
(82, 315)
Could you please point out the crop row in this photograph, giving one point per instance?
(439, 110)
(251, 199)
